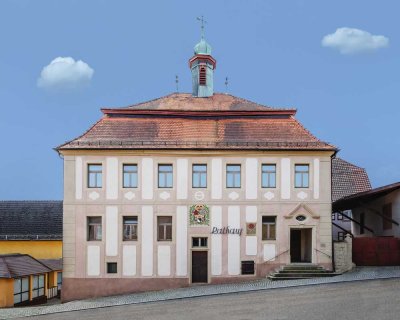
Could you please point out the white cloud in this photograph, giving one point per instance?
(65, 73)
(350, 40)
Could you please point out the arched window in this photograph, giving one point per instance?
(203, 76)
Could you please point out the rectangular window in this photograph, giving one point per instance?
(130, 176)
(199, 176)
(94, 228)
(301, 175)
(38, 286)
(21, 290)
(387, 212)
(130, 231)
(362, 222)
(59, 280)
(268, 228)
(268, 176)
(339, 216)
(95, 175)
(248, 267)
(111, 267)
(199, 242)
(164, 228)
(340, 235)
(165, 176)
(233, 175)
(333, 216)
(348, 214)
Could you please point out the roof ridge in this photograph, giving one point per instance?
(352, 164)
(151, 100)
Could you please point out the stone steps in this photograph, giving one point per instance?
(300, 271)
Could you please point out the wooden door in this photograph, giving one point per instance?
(199, 267)
(295, 245)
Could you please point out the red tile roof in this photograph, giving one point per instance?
(348, 179)
(180, 121)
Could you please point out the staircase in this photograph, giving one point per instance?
(300, 271)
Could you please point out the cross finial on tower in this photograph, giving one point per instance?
(201, 19)
(226, 85)
(177, 83)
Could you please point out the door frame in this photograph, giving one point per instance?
(313, 241)
(206, 249)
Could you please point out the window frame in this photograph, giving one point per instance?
(165, 173)
(124, 238)
(37, 290)
(88, 225)
(303, 173)
(200, 173)
(108, 265)
(202, 242)
(333, 217)
(249, 264)
(130, 173)
(268, 225)
(341, 235)
(97, 173)
(165, 226)
(21, 292)
(268, 173)
(234, 173)
(59, 281)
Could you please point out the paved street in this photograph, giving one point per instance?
(376, 299)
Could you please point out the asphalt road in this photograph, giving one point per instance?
(377, 299)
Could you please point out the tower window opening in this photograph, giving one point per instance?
(202, 76)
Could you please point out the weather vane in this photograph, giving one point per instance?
(201, 19)
(226, 85)
(177, 83)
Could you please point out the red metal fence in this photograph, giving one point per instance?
(377, 251)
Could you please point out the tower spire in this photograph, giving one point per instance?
(202, 65)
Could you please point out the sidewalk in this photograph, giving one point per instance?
(358, 274)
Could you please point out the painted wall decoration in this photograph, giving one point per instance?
(199, 215)
(251, 228)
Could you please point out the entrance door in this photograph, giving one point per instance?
(199, 267)
(300, 245)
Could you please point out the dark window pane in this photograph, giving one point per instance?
(111, 267)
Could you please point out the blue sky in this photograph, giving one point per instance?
(346, 92)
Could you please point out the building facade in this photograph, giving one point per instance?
(192, 188)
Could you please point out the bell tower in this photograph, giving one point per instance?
(202, 65)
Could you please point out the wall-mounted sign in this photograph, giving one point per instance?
(251, 228)
(227, 230)
(199, 215)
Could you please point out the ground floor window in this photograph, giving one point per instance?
(268, 228)
(199, 242)
(21, 290)
(340, 235)
(59, 280)
(248, 267)
(38, 286)
(111, 267)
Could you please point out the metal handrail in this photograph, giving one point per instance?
(276, 256)
(323, 253)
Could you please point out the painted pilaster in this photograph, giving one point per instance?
(216, 178)
(164, 260)
(111, 234)
(285, 178)
(112, 178)
(234, 241)
(78, 177)
(147, 240)
(251, 241)
(93, 260)
(216, 241)
(181, 241)
(316, 179)
(182, 179)
(147, 178)
(251, 178)
(129, 260)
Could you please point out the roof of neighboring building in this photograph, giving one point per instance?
(30, 220)
(53, 264)
(20, 265)
(355, 200)
(181, 121)
(347, 179)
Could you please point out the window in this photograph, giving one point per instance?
(333, 216)
(95, 175)
(268, 228)
(233, 175)
(59, 280)
(387, 212)
(130, 231)
(165, 176)
(21, 290)
(203, 76)
(340, 235)
(94, 228)
(339, 216)
(362, 222)
(301, 175)
(199, 242)
(248, 267)
(268, 176)
(130, 176)
(38, 286)
(111, 267)
(164, 228)
(199, 176)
